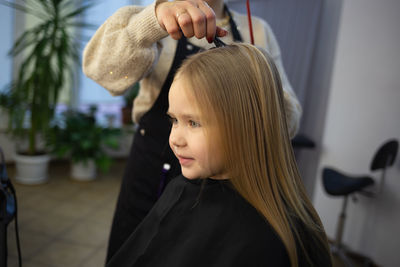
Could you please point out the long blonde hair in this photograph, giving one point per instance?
(239, 88)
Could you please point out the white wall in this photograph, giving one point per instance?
(316, 99)
(363, 111)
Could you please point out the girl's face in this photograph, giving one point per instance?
(188, 138)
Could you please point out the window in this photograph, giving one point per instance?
(6, 31)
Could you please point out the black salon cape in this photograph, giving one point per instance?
(201, 223)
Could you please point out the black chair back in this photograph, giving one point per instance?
(385, 155)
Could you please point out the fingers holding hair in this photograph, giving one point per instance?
(167, 15)
(198, 21)
(190, 18)
(184, 21)
(211, 21)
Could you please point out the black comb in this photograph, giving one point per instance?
(218, 42)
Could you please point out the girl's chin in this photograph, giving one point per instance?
(190, 175)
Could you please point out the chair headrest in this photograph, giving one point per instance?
(386, 155)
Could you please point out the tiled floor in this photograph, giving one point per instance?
(64, 222)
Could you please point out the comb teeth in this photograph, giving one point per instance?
(218, 42)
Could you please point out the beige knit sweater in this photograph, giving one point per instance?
(131, 46)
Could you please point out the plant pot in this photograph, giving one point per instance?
(31, 169)
(83, 171)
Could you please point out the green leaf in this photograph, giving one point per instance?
(47, 50)
(103, 163)
(23, 8)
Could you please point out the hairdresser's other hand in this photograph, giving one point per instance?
(190, 17)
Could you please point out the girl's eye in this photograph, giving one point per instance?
(172, 120)
(194, 124)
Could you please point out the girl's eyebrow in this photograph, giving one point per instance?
(184, 116)
(190, 117)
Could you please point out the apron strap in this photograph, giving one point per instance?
(235, 32)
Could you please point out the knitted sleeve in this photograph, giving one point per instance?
(125, 48)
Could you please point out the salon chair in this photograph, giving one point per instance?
(336, 183)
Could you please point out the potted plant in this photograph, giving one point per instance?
(48, 52)
(126, 110)
(78, 136)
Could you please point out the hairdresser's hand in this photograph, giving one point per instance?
(190, 18)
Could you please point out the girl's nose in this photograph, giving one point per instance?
(176, 137)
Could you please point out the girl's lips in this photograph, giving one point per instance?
(184, 161)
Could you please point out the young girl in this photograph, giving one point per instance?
(148, 44)
(239, 200)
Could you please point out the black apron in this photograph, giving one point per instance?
(145, 177)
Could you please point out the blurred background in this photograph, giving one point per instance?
(342, 58)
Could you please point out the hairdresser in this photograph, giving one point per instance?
(148, 44)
